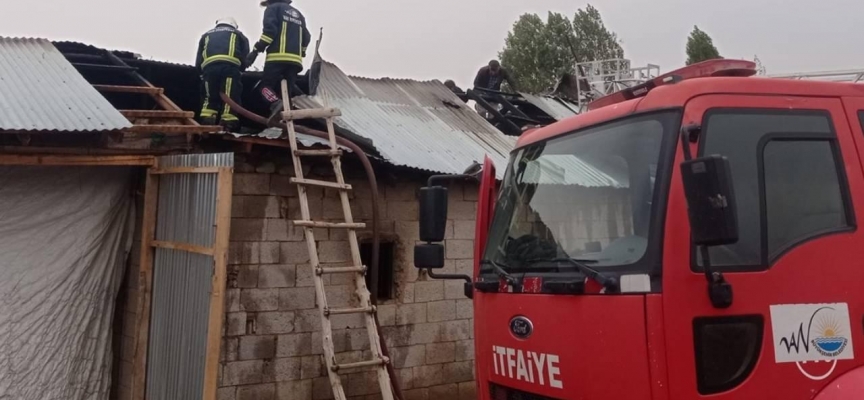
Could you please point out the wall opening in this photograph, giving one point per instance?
(385, 267)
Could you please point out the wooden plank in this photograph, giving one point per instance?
(311, 113)
(191, 248)
(129, 89)
(190, 170)
(314, 182)
(157, 114)
(145, 286)
(217, 297)
(330, 225)
(174, 129)
(318, 153)
(63, 160)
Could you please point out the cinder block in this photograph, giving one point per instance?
(248, 206)
(321, 389)
(225, 393)
(462, 371)
(287, 369)
(277, 276)
(266, 168)
(403, 210)
(332, 209)
(247, 230)
(269, 252)
(265, 391)
(257, 347)
(242, 373)
(311, 367)
(281, 230)
(387, 314)
(465, 309)
(467, 391)
(405, 292)
(441, 311)
(259, 299)
(459, 249)
(464, 350)
(408, 356)
(235, 324)
(348, 321)
(427, 291)
(429, 375)
(408, 231)
(447, 391)
(300, 298)
(462, 210)
(305, 276)
(401, 191)
(454, 289)
(456, 330)
(294, 390)
(464, 229)
(439, 353)
(232, 300)
(425, 333)
(417, 394)
(339, 338)
(363, 383)
(275, 322)
(294, 345)
(243, 253)
(340, 296)
(334, 252)
(281, 185)
(229, 349)
(471, 192)
(251, 184)
(407, 314)
(357, 339)
(247, 276)
(454, 192)
(307, 321)
(465, 267)
(293, 253)
(406, 378)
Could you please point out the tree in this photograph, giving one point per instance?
(538, 53)
(700, 47)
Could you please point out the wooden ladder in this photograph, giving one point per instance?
(378, 361)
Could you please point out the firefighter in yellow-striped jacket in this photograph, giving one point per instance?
(222, 55)
(285, 38)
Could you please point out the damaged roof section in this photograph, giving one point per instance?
(40, 91)
(421, 125)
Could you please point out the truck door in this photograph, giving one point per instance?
(794, 322)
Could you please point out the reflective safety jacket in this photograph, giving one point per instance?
(223, 44)
(285, 34)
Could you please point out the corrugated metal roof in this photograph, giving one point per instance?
(556, 108)
(415, 124)
(302, 138)
(41, 91)
(566, 169)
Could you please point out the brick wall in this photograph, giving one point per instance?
(272, 341)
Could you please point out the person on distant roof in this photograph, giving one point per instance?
(285, 38)
(492, 76)
(222, 53)
(452, 86)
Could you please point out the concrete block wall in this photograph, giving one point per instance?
(272, 340)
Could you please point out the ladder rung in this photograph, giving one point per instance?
(311, 113)
(326, 184)
(319, 153)
(128, 89)
(357, 310)
(331, 225)
(339, 270)
(361, 364)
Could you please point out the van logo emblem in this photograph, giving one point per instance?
(521, 327)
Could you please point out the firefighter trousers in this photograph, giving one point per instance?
(274, 73)
(221, 78)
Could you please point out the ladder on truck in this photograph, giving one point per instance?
(378, 361)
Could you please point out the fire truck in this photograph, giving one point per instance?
(691, 237)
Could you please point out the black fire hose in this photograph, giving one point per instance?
(376, 235)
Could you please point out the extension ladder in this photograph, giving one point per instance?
(378, 361)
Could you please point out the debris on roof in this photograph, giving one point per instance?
(415, 124)
(40, 91)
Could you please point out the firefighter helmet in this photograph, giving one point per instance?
(227, 21)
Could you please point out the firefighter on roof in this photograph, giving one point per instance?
(285, 38)
(222, 54)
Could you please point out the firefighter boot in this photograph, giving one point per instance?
(208, 120)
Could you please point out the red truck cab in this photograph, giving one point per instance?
(588, 283)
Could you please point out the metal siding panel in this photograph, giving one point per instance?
(41, 91)
(552, 106)
(409, 122)
(182, 281)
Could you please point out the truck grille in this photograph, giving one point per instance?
(498, 392)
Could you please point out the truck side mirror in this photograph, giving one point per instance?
(710, 200)
(433, 213)
(429, 255)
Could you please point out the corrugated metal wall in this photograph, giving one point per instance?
(186, 213)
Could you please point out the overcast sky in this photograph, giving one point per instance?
(441, 39)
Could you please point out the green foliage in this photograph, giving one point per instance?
(700, 47)
(538, 53)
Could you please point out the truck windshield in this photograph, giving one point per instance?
(588, 196)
